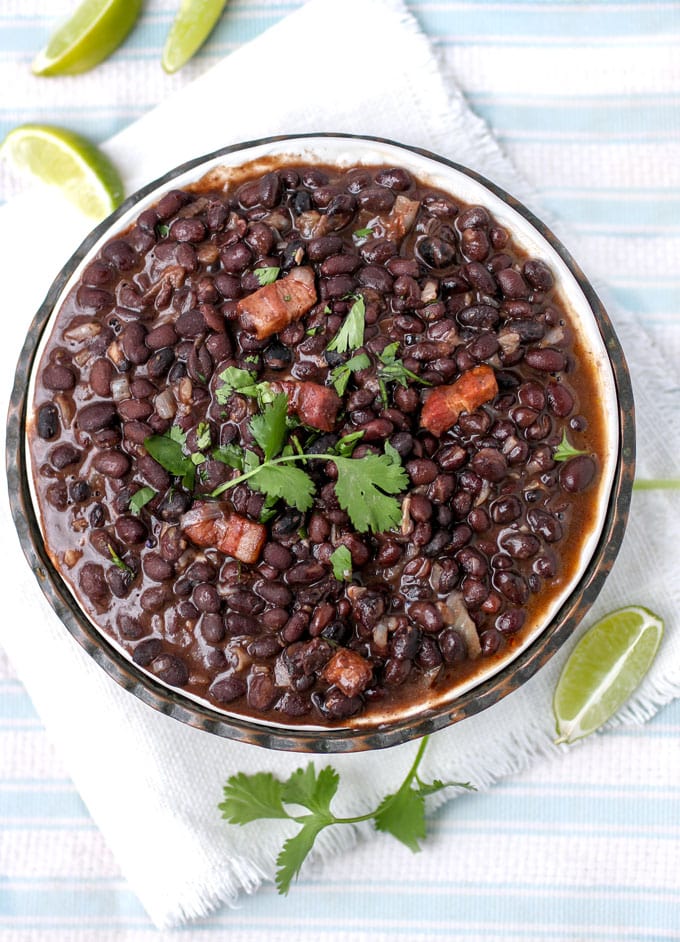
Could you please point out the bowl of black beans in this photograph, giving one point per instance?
(321, 443)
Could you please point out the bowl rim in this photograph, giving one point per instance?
(320, 739)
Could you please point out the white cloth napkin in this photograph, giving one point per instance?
(151, 784)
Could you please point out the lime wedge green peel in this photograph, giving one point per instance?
(69, 162)
(193, 24)
(604, 669)
(94, 31)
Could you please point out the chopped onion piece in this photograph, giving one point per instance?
(120, 388)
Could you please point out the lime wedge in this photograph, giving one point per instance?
(604, 669)
(67, 161)
(94, 31)
(191, 27)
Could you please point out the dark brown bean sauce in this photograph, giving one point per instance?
(491, 523)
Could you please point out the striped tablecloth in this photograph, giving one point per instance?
(585, 99)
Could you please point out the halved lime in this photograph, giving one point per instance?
(191, 27)
(604, 669)
(67, 161)
(94, 31)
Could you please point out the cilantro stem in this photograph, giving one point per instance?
(410, 775)
(283, 459)
(656, 484)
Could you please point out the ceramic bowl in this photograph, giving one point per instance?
(491, 681)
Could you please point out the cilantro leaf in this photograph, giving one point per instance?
(565, 450)
(341, 374)
(431, 788)
(168, 452)
(295, 850)
(346, 445)
(292, 484)
(363, 486)
(203, 437)
(351, 334)
(341, 558)
(162, 230)
(269, 428)
(313, 791)
(361, 234)
(266, 275)
(403, 816)
(236, 380)
(392, 370)
(229, 454)
(251, 797)
(140, 498)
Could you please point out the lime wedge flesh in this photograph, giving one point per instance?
(67, 161)
(193, 24)
(604, 669)
(94, 31)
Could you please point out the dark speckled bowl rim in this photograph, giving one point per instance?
(481, 696)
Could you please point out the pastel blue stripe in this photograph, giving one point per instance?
(601, 910)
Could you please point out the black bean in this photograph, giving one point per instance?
(305, 573)
(435, 253)
(112, 463)
(479, 317)
(519, 545)
(48, 421)
(228, 687)
(262, 691)
(577, 474)
(512, 585)
(452, 646)
(62, 456)
(145, 652)
(560, 400)
(92, 582)
(538, 274)
(421, 470)
(96, 416)
(427, 616)
(188, 230)
(59, 377)
(490, 464)
(171, 669)
(545, 359)
(511, 621)
(476, 217)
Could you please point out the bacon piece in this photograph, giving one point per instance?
(469, 392)
(209, 524)
(349, 671)
(314, 404)
(271, 308)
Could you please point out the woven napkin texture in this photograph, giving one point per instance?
(151, 784)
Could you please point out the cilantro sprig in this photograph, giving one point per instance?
(140, 499)
(392, 370)
(263, 796)
(565, 450)
(340, 375)
(351, 334)
(364, 487)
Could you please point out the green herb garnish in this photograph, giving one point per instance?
(229, 454)
(565, 450)
(168, 451)
(203, 438)
(236, 380)
(140, 498)
(392, 370)
(351, 334)
(118, 562)
(361, 234)
(263, 796)
(266, 275)
(340, 374)
(162, 230)
(364, 487)
(341, 558)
